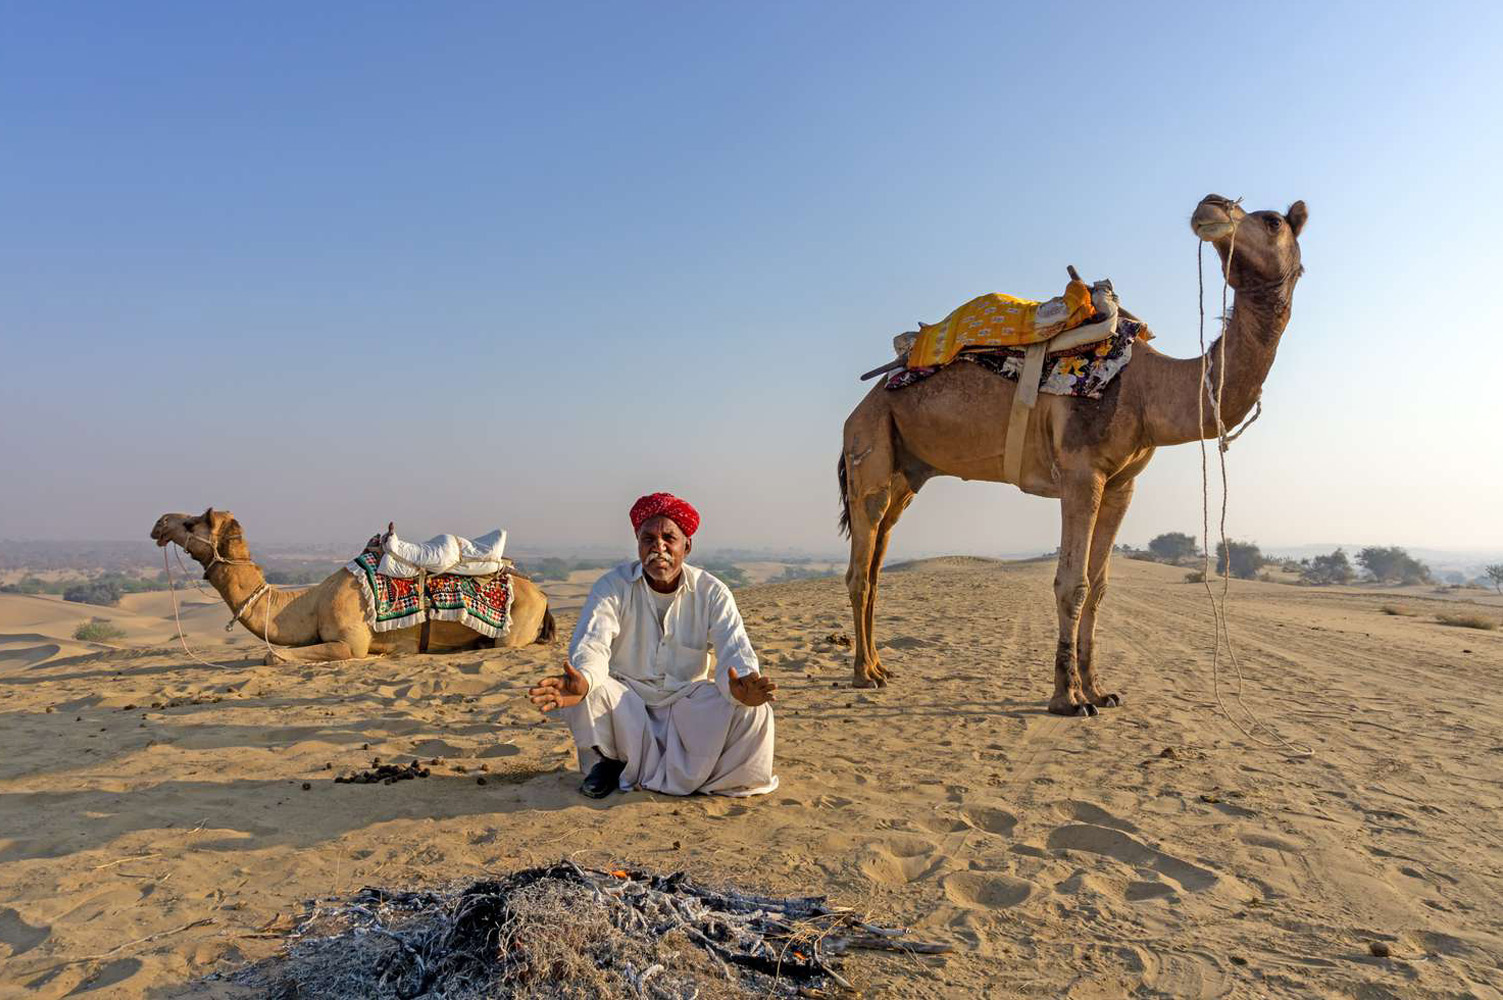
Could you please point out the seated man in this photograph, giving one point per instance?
(636, 690)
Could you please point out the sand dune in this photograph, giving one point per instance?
(153, 824)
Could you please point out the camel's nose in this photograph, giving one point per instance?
(1214, 217)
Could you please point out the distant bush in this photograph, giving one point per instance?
(1196, 576)
(1495, 574)
(26, 585)
(1393, 565)
(98, 630)
(104, 592)
(791, 573)
(1466, 621)
(730, 574)
(554, 568)
(1398, 609)
(297, 576)
(548, 569)
(1246, 559)
(1173, 546)
(1325, 570)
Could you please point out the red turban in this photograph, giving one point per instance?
(665, 505)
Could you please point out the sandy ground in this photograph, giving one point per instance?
(154, 826)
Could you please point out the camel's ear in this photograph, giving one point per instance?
(1297, 215)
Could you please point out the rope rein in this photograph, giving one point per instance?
(1224, 440)
(264, 589)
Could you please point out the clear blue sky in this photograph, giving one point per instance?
(477, 264)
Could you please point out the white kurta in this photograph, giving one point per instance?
(652, 702)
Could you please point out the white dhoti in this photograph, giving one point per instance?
(700, 742)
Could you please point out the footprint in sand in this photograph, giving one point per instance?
(717, 807)
(1131, 851)
(900, 860)
(1137, 892)
(989, 819)
(435, 748)
(904, 642)
(986, 890)
(19, 936)
(1086, 812)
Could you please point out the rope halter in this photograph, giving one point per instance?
(216, 559)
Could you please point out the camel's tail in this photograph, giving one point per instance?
(845, 498)
(547, 632)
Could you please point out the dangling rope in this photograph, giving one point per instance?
(176, 617)
(1218, 609)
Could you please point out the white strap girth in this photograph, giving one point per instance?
(246, 606)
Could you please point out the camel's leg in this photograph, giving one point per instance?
(1113, 509)
(860, 580)
(353, 644)
(1079, 502)
(899, 498)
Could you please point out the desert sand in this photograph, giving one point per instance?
(154, 827)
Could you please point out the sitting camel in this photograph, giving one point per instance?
(1085, 452)
(327, 621)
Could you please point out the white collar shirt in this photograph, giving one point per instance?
(618, 635)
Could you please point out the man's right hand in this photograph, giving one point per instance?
(564, 691)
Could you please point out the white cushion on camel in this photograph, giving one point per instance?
(442, 554)
(483, 556)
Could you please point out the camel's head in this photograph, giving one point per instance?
(1263, 246)
(200, 535)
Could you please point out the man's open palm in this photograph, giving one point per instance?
(564, 691)
(751, 690)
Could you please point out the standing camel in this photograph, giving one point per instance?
(1085, 452)
(326, 621)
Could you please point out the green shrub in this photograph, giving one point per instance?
(791, 573)
(1393, 565)
(1174, 546)
(98, 630)
(1466, 620)
(1247, 559)
(1322, 570)
(731, 575)
(104, 592)
(297, 576)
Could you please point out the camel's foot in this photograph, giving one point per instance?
(276, 657)
(1071, 705)
(873, 675)
(1107, 700)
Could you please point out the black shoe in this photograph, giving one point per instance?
(603, 779)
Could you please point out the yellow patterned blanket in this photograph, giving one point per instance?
(997, 320)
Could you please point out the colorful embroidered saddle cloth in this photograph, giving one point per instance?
(1083, 371)
(997, 320)
(480, 603)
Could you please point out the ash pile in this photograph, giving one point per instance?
(568, 931)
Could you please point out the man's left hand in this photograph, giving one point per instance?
(752, 690)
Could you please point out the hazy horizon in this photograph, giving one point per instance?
(477, 266)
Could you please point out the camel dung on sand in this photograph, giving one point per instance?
(327, 621)
(1084, 452)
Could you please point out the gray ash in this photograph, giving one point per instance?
(567, 931)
